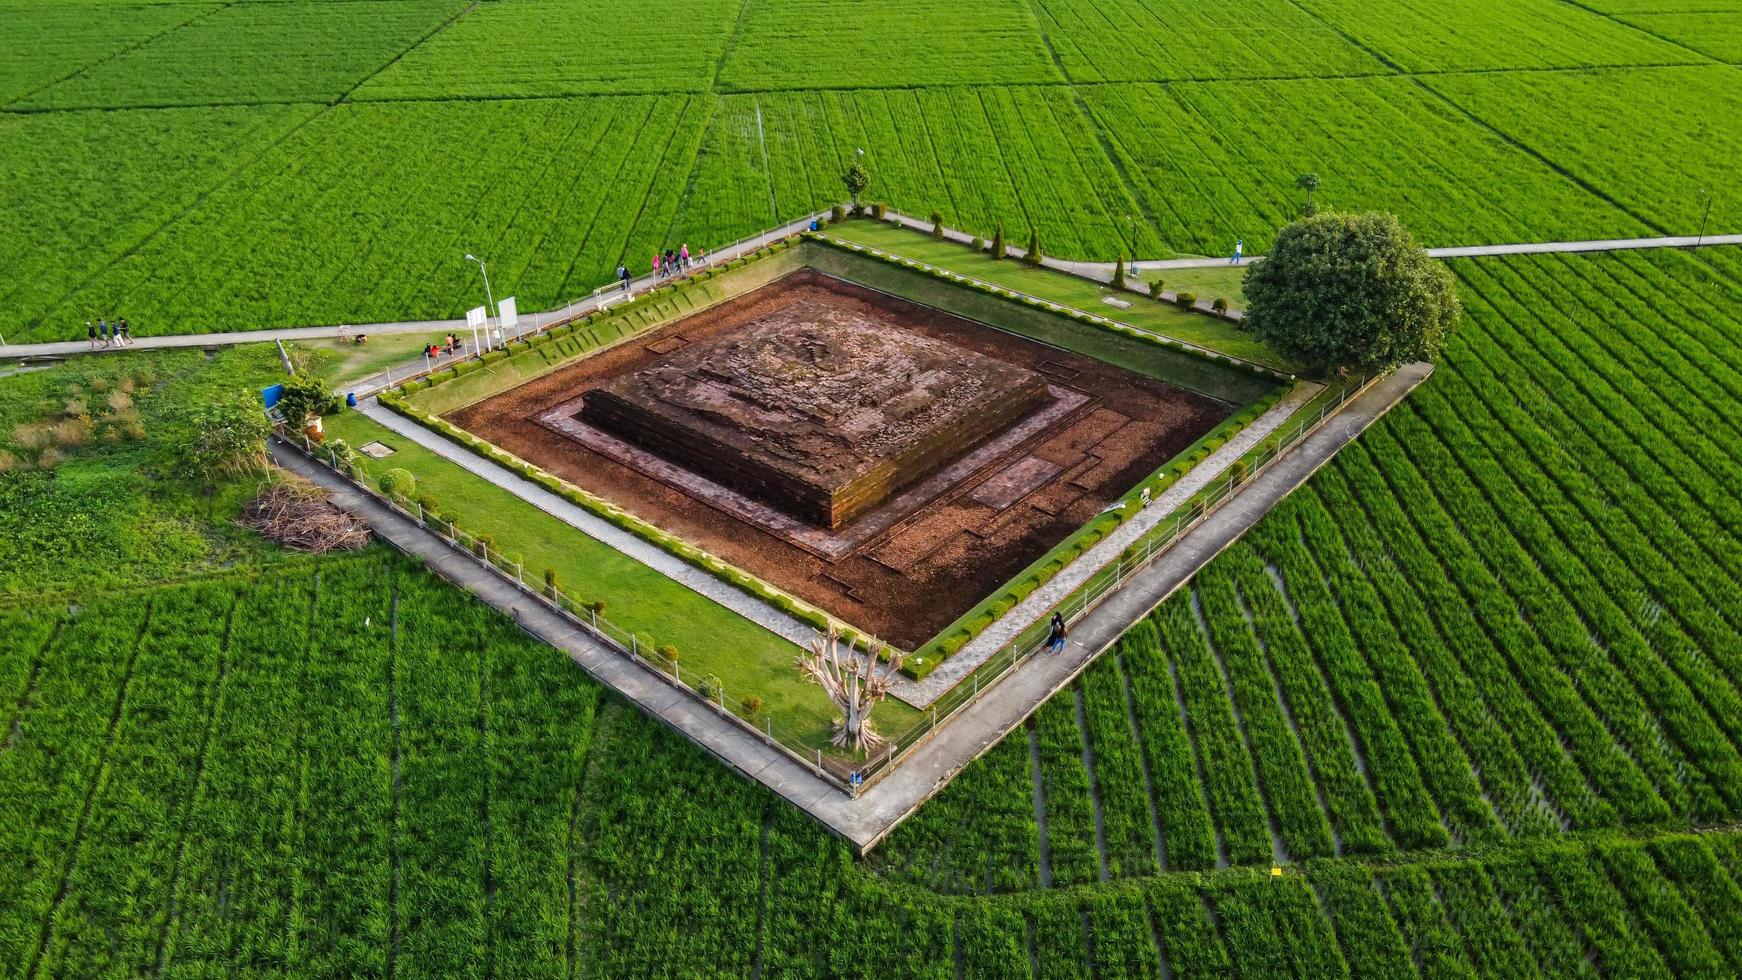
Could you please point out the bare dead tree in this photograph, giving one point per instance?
(853, 682)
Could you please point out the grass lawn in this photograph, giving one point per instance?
(710, 638)
(339, 362)
(1226, 281)
(1144, 313)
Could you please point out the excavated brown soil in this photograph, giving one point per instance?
(911, 580)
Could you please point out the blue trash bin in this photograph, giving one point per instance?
(350, 399)
(814, 226)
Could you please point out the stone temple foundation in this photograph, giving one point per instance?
(816, 409)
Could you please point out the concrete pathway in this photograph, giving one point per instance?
(1002, 707)
(542, 320)
(964, 736)
(645, 687)
(1104, 270)
(651, 555)
(1098, 271)
(1041, 601)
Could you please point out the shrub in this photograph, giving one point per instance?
(9, 462)
(1220, 305)
(1033, 255)
(669, 652)
(998, 246)
(550, 582)
(1155, 289)
(398, 483)
(1187, 300)
(1119, 273)
(486, 544)
(750, 706)
(979, 245)
(837, 214)
(596, 607)
(937, 225)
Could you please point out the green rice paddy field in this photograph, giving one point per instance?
(1476, 690)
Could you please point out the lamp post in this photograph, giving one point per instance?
(489, 299)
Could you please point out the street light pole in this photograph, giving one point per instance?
(488, 298)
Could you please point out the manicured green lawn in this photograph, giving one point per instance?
(1226, 281)
(340, 362)
(1144, 313)
(710, 638)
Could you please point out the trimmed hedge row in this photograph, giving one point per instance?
(1157, 340)
(972, 623)
(639, 306)
(622, 519)
(975, 621)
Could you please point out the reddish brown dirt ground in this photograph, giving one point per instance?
(909, 582)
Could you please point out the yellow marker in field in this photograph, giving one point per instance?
(1276, 871)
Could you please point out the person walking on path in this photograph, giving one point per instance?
(103, 330)
(623, 274)
(1055, 634)
(1239, 246)
(126, 334)
(91, 334)
(684, 254)
(670, 262)
(656, 269)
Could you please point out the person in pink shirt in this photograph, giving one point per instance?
(683, 255)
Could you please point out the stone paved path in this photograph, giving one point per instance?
(1041, 601)
(651, 555)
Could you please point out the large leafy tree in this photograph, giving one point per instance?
(1350, 292)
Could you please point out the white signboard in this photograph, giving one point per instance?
(478, 318)
(507, 316)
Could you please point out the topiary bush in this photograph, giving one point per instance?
(937, 225)
(398, 483)
(1187, 300)
(1155, 289)
(1219, 304)
(837, 214)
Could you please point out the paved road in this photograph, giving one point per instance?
(1102, 271)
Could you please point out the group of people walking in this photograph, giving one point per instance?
(672, 262)
(668, 264)
(108, 334)
(450, 345)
